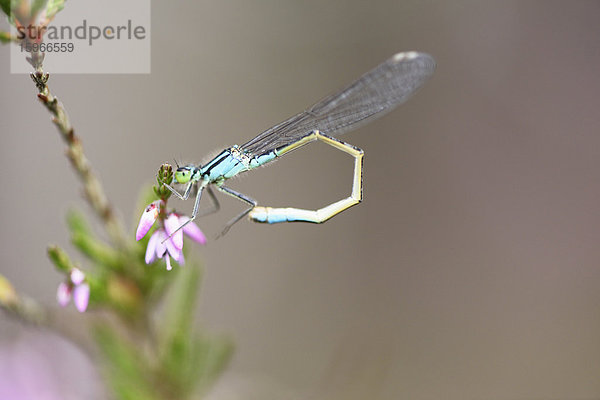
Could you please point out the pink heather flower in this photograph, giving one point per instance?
(63, 294)
(192, 230)
(77, 276)
(81, 296)
(161, 244)
(75, 288)
(171, 225)
(149, 216)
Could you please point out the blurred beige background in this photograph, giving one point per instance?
(471, 270)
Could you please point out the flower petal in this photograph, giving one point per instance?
(181, 259)
(77, 276)
(151, 249)
(172, 223)
(161, 244)
(172, 249)
(192, 230)
(63, 294)
(81, 296)
(168, 260)
(148, 218)
(174, 252)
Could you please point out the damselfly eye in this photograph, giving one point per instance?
(183, 175)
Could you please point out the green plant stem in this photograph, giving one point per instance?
(7, 37)
(93, 189)
(22, 308)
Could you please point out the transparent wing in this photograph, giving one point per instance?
(371, 96)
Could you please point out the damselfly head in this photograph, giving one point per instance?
(184, 174)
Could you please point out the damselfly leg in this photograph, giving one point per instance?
(216, 206)
(248, 200)
(186, 193)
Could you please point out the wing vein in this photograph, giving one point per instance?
(371, 96)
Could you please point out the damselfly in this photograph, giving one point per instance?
(371, 96)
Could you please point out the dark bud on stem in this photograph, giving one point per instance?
(164, 176)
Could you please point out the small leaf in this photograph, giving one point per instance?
(210, 356)
(126, 369)
(37, 6)
(8, 294)
(176, 344)
(97, 251)
(84, 239)
(77, 222)
(124, 295)
(53, 7)
(189, 361)
(180, 310)
(5, 5)
(6, 37)
(60, 259)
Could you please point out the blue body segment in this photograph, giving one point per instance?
(235, 169)
(277, 215)
(227, 164)
(261, 160)
(231, 162)
(271, 219)
(216, 166)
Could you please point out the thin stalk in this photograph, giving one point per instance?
(92, 186)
